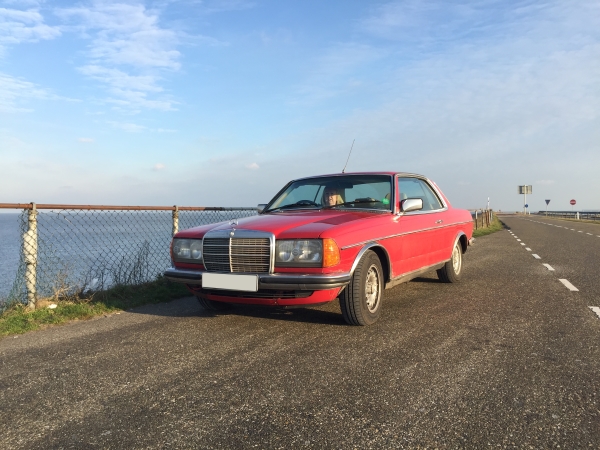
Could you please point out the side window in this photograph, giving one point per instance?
(416, 188)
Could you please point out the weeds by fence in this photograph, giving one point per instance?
(73, 249)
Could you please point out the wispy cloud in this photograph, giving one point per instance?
(335, 72)
(86, 140)
(129, 51)
(24, 25)
(129, 127)
(135, 128)
(158, 166)
(217, 6)
(15, 92)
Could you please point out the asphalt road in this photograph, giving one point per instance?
(508, 358)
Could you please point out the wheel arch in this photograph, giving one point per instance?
(381, 253)
(464, 242)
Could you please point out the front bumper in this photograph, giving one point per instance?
(274, 281)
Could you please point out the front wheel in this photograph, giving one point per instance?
(452, 270)
(360, 301)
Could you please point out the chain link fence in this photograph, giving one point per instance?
(66, 250)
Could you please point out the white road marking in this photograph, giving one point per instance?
(535, 256)
(548, 266)
(589, 234)
(596, 310)
(580, 231)
(518, 240)
(522, 243)
(572, 229)
(528, 249)
(568, 285)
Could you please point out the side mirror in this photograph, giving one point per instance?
(411, 204)
(261, 207)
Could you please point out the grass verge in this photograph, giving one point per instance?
(496, 225)
(18, 319)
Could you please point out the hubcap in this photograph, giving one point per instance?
(456, 259)
(372, 290)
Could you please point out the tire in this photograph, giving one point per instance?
(211, 305)
(452, 270)
(360, 301)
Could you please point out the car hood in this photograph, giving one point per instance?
(289, 224)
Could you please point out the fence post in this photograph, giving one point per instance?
(476, 219)
(30, 247)
(175, 220)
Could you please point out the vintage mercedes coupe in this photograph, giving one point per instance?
(346, 236)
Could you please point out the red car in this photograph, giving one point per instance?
(346, 236)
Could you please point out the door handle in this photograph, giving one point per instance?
(439, 221)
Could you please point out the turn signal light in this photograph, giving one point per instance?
(331, 253)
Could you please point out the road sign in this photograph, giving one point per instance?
(573, 202)
(525, 189)
(526, 206)
(547, 201)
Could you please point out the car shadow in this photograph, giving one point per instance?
(304, 315)
(425, 280)
(189, 307)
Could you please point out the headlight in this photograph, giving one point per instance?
(305, 252)
(187, 250)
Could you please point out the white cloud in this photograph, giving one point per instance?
(16, 91)
(18, 26)
(158, 166)
(217, 6)
(334, 72)
(85, 140)
(253, 166)
(129, 127)
(129, 51)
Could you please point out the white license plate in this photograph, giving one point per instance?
(231, 282)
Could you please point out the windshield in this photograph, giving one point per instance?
(336, 192)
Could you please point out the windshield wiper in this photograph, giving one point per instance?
(354, 202)
(300, 205)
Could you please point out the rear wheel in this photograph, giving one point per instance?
(360, 301)
(452, 270)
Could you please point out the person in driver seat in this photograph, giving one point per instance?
(332, 195)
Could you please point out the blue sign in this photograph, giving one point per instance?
(526, 206)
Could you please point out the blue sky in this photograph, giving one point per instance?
(219, 103)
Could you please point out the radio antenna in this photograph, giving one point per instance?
(344, 169)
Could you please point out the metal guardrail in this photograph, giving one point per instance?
(78, 248)
(578, 215)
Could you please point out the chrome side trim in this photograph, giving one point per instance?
(415, 273)
(403, 234)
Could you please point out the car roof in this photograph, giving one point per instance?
(406, 174)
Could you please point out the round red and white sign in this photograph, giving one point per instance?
(572, 202)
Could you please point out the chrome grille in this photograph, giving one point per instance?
(252, 255)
